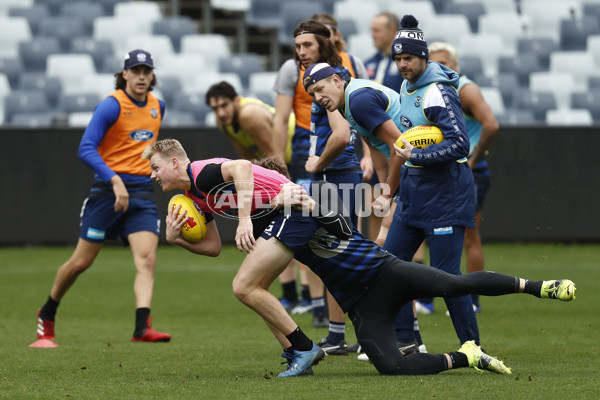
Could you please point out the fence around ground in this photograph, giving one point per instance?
(545, 184)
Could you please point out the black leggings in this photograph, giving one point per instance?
(374, 315)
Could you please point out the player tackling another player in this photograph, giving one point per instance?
(367, 282)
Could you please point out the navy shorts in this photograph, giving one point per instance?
(294, 229)
(99, 221)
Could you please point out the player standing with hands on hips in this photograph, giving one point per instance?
(121, 200)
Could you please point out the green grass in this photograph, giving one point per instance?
(222, 350)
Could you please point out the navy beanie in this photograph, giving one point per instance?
(410, 39)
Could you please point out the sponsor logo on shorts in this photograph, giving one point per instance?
(447, 230)
(95, 234)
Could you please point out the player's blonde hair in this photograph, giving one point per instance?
(167, 148)
(447, 47)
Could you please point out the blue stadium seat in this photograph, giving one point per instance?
(12, 67)
(109, 5)
(39, 81)
(538, 102)
(504, 82)
(243, 64)
(80, 102)
(194, 103)
(471, 10)
(35, 52)
(593, 82)
(347, 27)
(176, 119)
(471, 66)
(32, 120)
(54, 5)
(112, 64)
(574, 33)
(170, 87)
(62, 28)
(292, 14)
(24, 101)
(591, 9)
(264, 14)
(589, 101)
(174, 28)
(34, 15)
(97, 48)
(517, 117)
(85, 12)
(542, 47)
(521, 65)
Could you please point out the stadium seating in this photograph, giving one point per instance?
(589, 100)
(35, 52)
(85, 12)
(538, 102)
(70, 69)
(242, 64)
(569, 117)
(472, 10)
(493, 97)
(522, 65)
(11, 67)
(12, 31)
(471, 66)
(213, 45)
(32, 120)
(24, 101)
(449, 28)
(50, 86)
(98, 49)
(79, 119)
(361, 12)
(264, 14)
(580, 64)
(176, 119)
(361, 46)
(574, 33)
(538, 46)
(4, 91)
(34, 15)
(174, 28)
(193, 103)
(545, 15)
(79, 102)
(293, 13)
(542, 47)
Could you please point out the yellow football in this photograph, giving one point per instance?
(421, 136)
(194, 229)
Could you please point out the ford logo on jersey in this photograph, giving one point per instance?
(406, 122)
(141, 135)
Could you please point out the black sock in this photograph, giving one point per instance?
(290, 293)
(533, 288)
(48, 310)
(299, 340)
(459, 360)
(305, 293)
(141, 321)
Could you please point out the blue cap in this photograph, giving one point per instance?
(138, 57)
(316, 72)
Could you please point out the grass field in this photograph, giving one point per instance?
(222, 350)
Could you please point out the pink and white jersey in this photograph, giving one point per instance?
(222, 198)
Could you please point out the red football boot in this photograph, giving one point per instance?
(45, 328)
(150, 335)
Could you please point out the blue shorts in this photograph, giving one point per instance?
(293, 230)
(99, 221)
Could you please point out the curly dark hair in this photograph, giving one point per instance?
(221, 89)
(327, 51)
